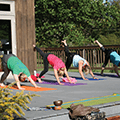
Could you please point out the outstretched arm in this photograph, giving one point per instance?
(80, 70)
(91, 71)
(66, 73)
(18, 82)
(57, 77)
(30, 79)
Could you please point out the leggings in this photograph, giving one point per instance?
(69, 57)
(107, 55)
(45, 61)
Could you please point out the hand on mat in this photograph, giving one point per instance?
(95, 78)
(72, 82)
(85, 79)
(61, 83)
(37, 87)
(21, 88)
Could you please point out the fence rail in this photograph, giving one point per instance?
(93, 54)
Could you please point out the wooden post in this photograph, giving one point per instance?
(25, 32)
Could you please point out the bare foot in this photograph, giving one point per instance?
(33, 45)
(39, 80)
(95, 41)
(64, 41)
(1, 84)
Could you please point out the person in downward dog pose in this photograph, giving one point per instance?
(109, 54)
(20, 72)
(77, 61)
(57, 64)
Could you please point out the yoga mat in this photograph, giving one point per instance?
(38, 109)
(106, 75)
(90, 79)
(65, 83)
(91, 101)
(30, 88)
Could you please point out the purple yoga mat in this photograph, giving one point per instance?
(65, 83)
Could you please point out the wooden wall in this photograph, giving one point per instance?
(25, 32)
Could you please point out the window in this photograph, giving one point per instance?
(7, 26)
(4, 7)
(7, 7)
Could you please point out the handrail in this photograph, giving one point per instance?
(93, 54)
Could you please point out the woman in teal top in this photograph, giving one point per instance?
(11, 63)
(112, 55)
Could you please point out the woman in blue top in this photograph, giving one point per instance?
(77, 61)
(109, 54)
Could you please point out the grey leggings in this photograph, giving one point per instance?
(4, 66)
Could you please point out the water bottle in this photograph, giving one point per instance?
(35, 72)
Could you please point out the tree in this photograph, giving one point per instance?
(112, 36)
(78, 21)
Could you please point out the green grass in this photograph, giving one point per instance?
(76, 70)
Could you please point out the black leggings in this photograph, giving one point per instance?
(45, 61)
(69, 57)
(107, 55)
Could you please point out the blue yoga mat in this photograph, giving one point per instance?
(90, 79)
(106, 75)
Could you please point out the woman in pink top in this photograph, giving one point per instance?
(57, 64)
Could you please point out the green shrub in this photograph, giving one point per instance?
(11, 104)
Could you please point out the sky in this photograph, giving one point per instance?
(105, 0)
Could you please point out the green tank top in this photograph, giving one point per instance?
(16, 66)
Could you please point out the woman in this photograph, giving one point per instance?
(55, 62)
(20, 72)
(109, 54)
(77, 61)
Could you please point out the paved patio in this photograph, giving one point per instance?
(95, 88)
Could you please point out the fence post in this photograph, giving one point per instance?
(84, 53)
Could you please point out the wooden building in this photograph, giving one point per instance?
(21, 16)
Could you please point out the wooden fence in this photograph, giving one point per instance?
(93, 54)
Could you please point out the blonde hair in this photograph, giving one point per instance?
(22, 77)
(61, 71)
(87, 69)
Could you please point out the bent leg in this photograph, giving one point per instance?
(6, 72)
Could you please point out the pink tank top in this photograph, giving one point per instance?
(55, 62)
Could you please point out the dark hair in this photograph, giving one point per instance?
(22, 77)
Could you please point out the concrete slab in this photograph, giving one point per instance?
(108, 86)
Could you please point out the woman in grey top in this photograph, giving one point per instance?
(77, 61)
